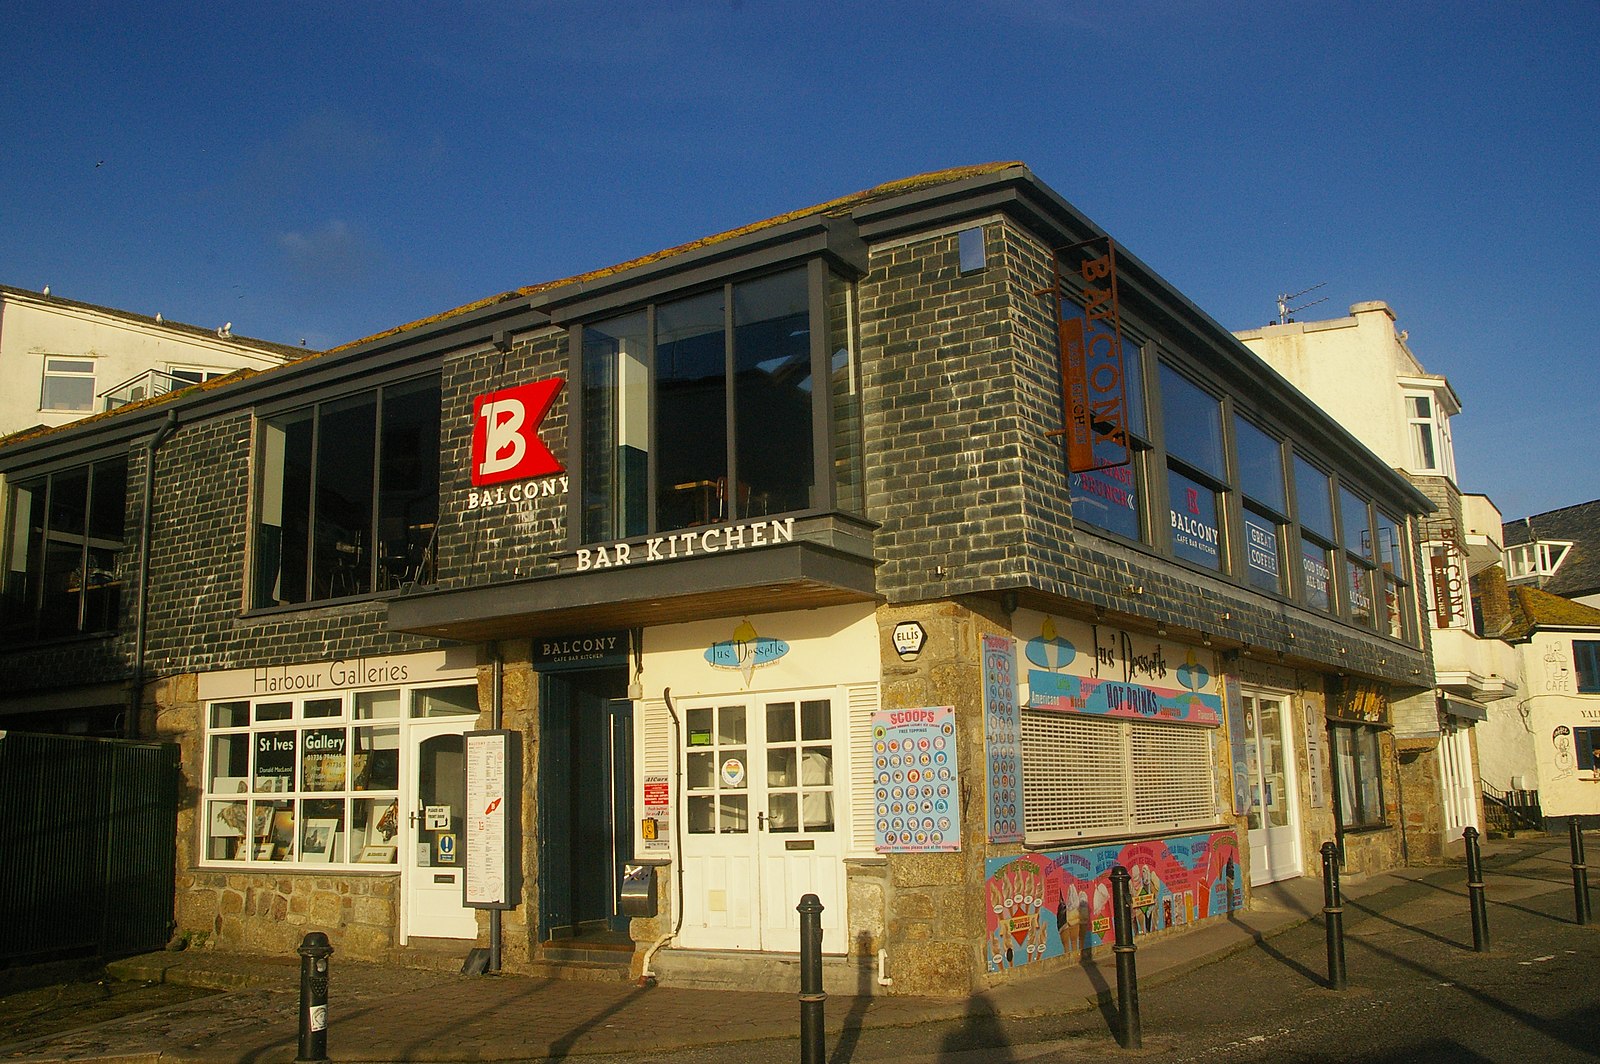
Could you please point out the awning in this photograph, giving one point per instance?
(1465, 708)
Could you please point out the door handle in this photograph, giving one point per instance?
(761, 821)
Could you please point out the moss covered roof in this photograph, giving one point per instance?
(1532, 608)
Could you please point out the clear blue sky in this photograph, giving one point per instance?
(326, 171)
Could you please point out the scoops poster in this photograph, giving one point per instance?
(1058, 903)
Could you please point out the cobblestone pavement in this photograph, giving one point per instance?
(380, 1013)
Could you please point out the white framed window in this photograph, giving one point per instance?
(68, 384)
(1431, 449)
(1089, 777)
(195, 374)
(311, 781)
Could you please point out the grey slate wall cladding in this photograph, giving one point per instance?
(961, 384)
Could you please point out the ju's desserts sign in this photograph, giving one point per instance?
(1104, 672)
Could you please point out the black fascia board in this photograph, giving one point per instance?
(296, 381)
(834, 239)
(798, 561)
(1019, 194)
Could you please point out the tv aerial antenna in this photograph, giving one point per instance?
(1286, 312)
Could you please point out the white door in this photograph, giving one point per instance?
(762, 825)
(1274, 813)
(431, 857)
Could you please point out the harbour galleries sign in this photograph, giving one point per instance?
(1089, 335)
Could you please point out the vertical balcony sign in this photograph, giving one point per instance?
(1089, 335)
(915, 781)
(1002, 738)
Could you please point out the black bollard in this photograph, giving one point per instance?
(1480, 910)
(314, 953)
(1580, 873)
(1128, 1037)
(1333, 915)
(813, 1049)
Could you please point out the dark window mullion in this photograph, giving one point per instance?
(730, 487)
(652, 522)
(373, 552)
(825, 491)
(309, 588)
(83, 547)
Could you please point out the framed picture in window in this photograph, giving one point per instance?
(377, 853)
(319, 840)
(265, 849)
(230, 785)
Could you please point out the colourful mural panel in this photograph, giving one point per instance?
(1058, 903)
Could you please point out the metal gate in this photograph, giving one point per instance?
(88, 837)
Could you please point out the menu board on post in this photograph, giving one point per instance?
(915, 781)
(493, 877)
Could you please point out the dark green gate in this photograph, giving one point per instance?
(88, 836)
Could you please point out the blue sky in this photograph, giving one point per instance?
(326, 171)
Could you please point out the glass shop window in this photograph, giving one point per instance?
(309, 782)
(348, 502)
(1358, 775)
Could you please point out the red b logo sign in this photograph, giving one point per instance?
(505, 434)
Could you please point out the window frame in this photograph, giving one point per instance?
(1435, 425)
(1586, 664)
(1361, 745)
(64, 375)
(381, 577)
(33, 577)
(830, 308)
(264, 806)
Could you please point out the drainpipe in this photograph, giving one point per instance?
(130, 726)
(677, 827)
(496, 716)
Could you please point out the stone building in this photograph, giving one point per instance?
(599, 621)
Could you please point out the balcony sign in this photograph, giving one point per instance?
(505, 434)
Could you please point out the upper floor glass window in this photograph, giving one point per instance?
(702, 409)
(1431, 449)
(67, 535)
(348, 496)
(1314, 506)
(1266, 521)
(68, 384)
(1110, 498)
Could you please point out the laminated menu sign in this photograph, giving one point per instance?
(916, 785)
(494, 779)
